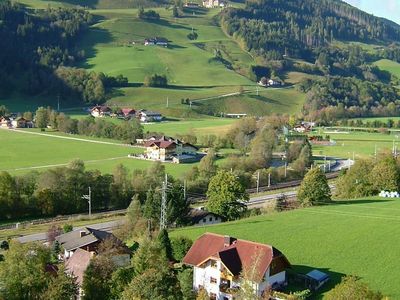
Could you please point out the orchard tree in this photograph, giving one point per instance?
(314, 190)
(226, 195)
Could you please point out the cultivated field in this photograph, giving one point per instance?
(355, 237)
(23, 152)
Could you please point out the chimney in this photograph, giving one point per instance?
(228, 240)
(82, 233)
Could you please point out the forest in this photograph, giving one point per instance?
(38, 50)
(294, 28)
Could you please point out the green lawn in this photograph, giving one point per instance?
(21, 153)
(361, 143)
(358, 237)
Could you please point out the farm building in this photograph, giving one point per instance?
(100, 111)
(202, 217)
(214, 3)
(19, 123)
(158, 41)
(149, 116)
(218, 262)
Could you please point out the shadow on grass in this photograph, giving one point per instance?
(91, 39)
(361, 201)
(296, 284)
(266, 100)
(168, 24)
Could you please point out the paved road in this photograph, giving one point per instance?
(41, 237)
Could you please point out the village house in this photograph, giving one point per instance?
(218, 262)
(100, 111)
(166, 148)
(158, 41)
(191, 4)
(19, 123)
(128, 113)
(304, 127)
(86, 238)
(149, 116)
(5, 122)
(202, 217)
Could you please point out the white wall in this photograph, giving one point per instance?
(214, 220)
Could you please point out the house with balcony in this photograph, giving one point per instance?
(100, 111)
(218, 262)
(166, 148)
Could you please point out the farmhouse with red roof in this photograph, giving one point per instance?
(218, 263)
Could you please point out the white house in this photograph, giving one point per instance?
(202, 217)
(218, 262)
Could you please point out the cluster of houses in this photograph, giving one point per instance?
(15, 122)
(168, 149)
(143, 115)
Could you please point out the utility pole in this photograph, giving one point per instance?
(285, 169)
(167, 102)
(269, 179)
(163, 219)
(58, 103)
(88, 197)
(258, 181)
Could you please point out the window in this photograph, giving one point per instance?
(226, 298)
(213, 264)
(204, 220)
(210, 219)
(213, 280)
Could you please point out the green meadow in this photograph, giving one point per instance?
(351, 237)
(22, 152)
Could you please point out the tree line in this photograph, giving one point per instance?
(127, 131)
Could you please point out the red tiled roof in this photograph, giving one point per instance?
(78, 263)
(127, 111)
(238, 255)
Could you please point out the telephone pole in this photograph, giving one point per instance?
(88, 197)
(269, 179)
(258, 181)
(163, 219)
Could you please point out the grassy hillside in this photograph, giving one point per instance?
(354, 237)
(389, 65)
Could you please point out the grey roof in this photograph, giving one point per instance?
(73, 240)
(318, 275)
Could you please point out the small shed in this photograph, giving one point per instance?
(316, 279)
